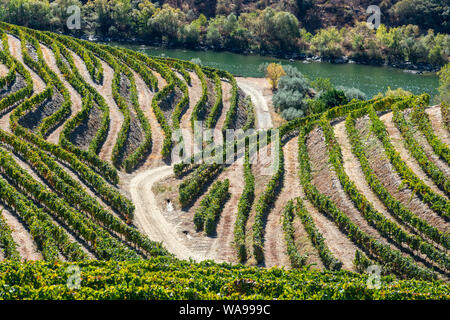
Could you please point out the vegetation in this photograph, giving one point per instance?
(285, 29)
(68, 193)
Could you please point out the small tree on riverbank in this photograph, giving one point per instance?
(274, 72)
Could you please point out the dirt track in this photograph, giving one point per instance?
(434, 113)
(149, 217)
(263, 118)
(275, 252)
(145, 97)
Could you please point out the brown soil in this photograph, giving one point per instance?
(16, 52)
(226, 97)
(194, 97)
(145, 97)
(391, 180)
(26, 246)
(3, 70)
(275, 252)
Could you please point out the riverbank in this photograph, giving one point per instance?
(414, 68)
(368, 78)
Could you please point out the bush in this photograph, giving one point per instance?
(333, 98)
(352, 93)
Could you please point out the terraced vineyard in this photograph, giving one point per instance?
(87, 133)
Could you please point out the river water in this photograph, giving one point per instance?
(369, 79)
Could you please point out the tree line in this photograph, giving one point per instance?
(267, 31)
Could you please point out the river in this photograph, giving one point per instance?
(369, 79)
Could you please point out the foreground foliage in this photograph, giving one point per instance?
(165, 278)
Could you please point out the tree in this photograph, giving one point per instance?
(273, 73)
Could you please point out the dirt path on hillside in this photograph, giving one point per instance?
(226, 98)
(434, 113)
(145, 97)
(116, 117)
(3, 70)
(195, 93)
(16, 52)
(397, 142)
(263, 117)
(149, 218)
(223, 247)
(275, 252)
(38, 84)
(26, 246)
(75, 97)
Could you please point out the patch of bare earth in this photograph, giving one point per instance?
(262, 172)
(226, 98)
(3, 70)
(163, 223)
(223, 247)
(195, 93)
(145, 97)
(16, 52)
(75, 97)
(435, 115)
(386, 173)
(33, 118)
(275, 252)
(26, 246)
(83, 134)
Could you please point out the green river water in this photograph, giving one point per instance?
(369, 79)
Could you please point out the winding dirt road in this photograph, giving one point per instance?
(263, 118)
(148, 216)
